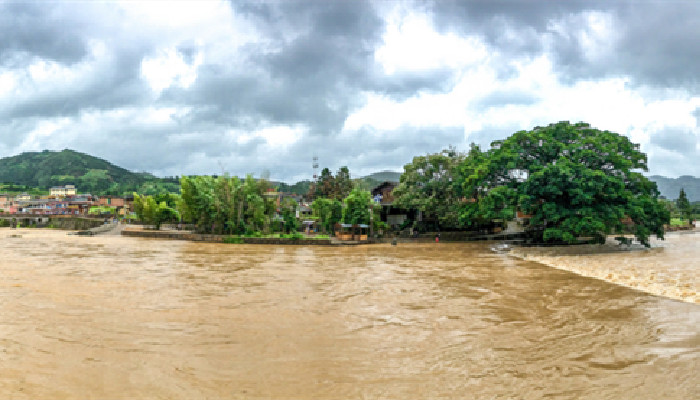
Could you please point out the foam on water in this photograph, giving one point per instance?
(669, 268)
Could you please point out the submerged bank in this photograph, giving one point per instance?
(670, 268)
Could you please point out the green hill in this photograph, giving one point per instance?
(89, 174)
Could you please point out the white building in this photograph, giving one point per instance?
(63, 191)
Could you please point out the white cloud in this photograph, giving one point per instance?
(275, 136)
(411, 43)
(169, 68)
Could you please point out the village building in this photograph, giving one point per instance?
(63, 191)
(391, 215)
(6, 203)
(24, 197)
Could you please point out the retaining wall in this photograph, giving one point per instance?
(75, 223)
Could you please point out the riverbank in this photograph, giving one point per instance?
(670, 268)
(170, 234)
(197, 237)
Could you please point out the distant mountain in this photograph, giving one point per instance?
(383, 176)
(671, 187)
(371, 181)
(51, 168)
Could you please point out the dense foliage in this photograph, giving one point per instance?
(332, 187)
(428, 185)
(328, 211)
(574, 180)
(358, 208)
(151, 212)
(11, 188)
(226, 205)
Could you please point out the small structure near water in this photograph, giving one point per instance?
(356, 232)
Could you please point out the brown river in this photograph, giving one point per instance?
(115, 318)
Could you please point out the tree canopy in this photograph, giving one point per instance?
(428, 185)
(152, 212)
(575, 181)
(357, 207)
(332, 187)
(225, 204)
(328, 211)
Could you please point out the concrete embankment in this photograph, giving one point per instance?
(107, 229)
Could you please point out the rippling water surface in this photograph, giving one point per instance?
(113, 317)
(671, 267)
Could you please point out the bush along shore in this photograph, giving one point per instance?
(290, 239)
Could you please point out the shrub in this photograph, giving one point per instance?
(233, 240)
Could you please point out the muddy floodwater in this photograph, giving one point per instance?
(670, 267)
(116, 318)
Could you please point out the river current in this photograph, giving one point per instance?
(116, 317)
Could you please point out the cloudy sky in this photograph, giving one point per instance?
(182, 87)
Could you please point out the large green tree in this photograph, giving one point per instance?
(575, 181)
(358, 206)
(428, 185)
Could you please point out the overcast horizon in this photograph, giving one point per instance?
(181, 88)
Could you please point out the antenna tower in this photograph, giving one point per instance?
(315, 167)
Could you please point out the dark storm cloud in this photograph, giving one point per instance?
(35, 32)
(319, 59)
(110, 86)
(39, 29)
(320, 55)
(493, 19)
(655, 43)
(405, 84)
